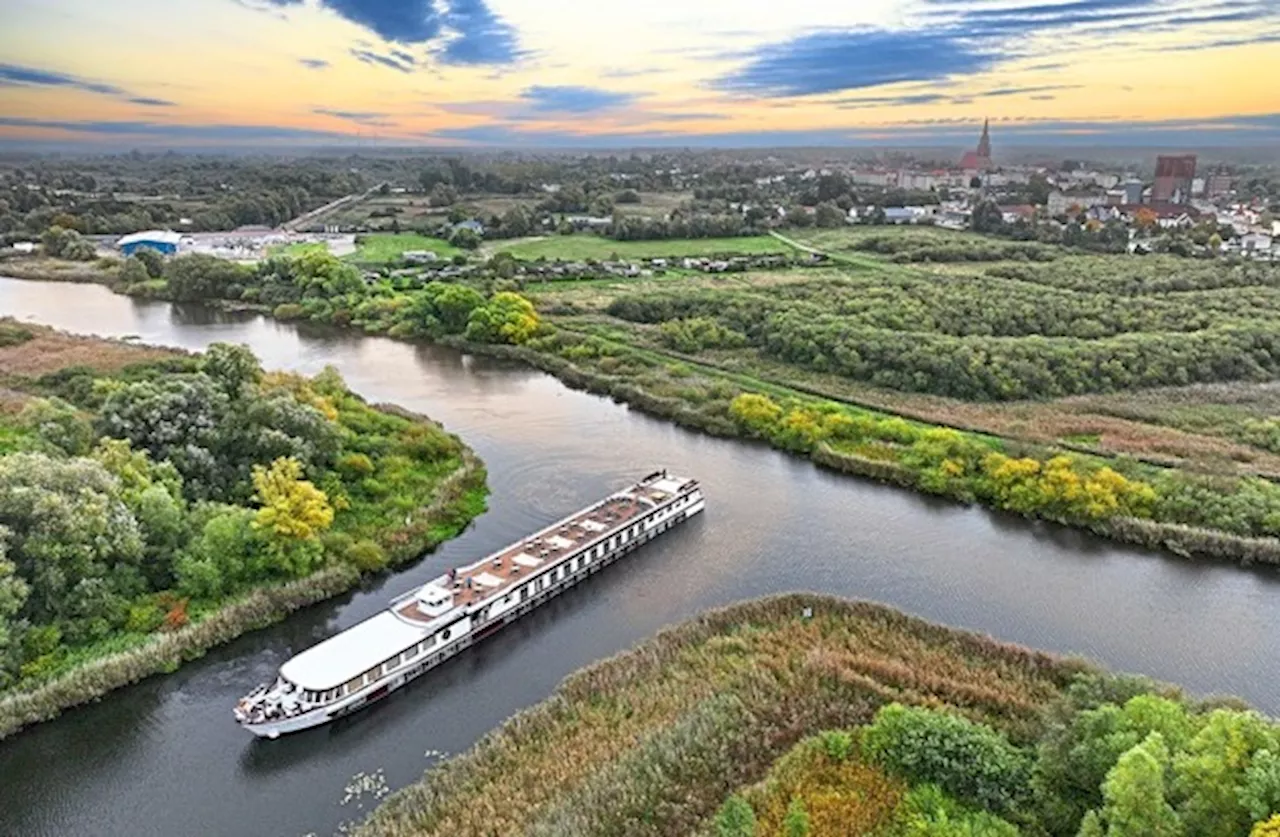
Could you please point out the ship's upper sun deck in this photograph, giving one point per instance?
(517, 562)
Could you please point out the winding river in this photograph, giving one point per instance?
(164, 756)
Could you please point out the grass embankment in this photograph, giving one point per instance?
(652, 741)
(582, 247)
(401, 486)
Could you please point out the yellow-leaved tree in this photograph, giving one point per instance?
(1270, 828)
(293, 515)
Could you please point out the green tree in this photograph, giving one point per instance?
(133, 272)
(465, 238)
(506, 318)
(735, 818)
(176, 418)
(233, 368)
(1074, 758)
(200, 276)
(1134, 793)
(58, 424)
(828, 215)
(796, 821)
(453, 304)
(293, 514)
(1214, 767)
(151, 260)
(227, 554)
(969, 761)
(1259, 793)
(13, 595)
(67, 524)
(55, 240)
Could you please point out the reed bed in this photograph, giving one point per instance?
(651, 741)
(841, 793)
(459, 497)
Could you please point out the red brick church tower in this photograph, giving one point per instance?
(979, 160)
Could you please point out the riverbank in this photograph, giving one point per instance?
(399, 486)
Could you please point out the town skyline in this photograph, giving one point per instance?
(483, 73)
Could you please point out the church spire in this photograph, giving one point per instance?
(984, 144)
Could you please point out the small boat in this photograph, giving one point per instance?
(426, 626)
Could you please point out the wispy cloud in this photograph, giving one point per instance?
(15, 75)
(953, 39)
(370, 57)
(313, 63)
(147, 101)
(11, 74)
(825, 62)
(173, 132)
(361, 117)
(574, 99)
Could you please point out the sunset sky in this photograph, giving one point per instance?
(556, 73)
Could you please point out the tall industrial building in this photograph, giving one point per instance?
(1173, 178)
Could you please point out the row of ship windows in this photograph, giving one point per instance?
(541, 583)
(377, 671)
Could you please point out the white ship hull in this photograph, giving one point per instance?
(479, 620)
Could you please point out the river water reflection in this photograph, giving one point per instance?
(164, 757)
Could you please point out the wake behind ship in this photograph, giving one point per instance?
(426, 626)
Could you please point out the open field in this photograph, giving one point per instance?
(299, 248)
(583, 247)
(388, 247)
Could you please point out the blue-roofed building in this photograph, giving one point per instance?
(162, 241)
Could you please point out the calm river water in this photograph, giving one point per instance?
(165, 758)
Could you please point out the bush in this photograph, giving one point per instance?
(144, 618)
(970, 761)
(354, 466)
(837, 744)
(735, 818)
(367, 557)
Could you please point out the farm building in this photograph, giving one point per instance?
(162, 241)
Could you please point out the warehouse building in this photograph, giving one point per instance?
(162, 241)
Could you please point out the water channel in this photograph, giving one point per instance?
(164, 757)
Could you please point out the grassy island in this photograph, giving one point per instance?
(154, 504)
(809, 716)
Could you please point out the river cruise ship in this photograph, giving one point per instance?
(426, 626)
